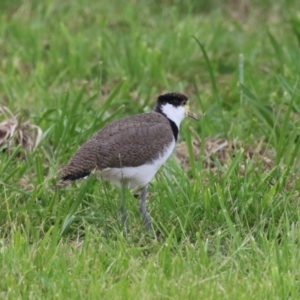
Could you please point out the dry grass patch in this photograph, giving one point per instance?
(15, 132)
(221, 151)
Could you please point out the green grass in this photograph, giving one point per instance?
(73, 66)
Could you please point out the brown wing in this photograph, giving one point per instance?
(128, 142)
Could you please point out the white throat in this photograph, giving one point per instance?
(176, 114)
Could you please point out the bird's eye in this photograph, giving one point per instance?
(183, 103)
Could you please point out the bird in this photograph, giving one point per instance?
(128, 152)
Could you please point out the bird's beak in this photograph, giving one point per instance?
(189, 113)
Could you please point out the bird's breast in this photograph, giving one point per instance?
(138, 176)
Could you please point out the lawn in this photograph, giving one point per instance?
(225, 207)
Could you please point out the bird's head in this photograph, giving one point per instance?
(174, 106)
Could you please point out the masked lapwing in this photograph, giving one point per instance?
(128, 152)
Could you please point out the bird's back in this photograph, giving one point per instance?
(129, 142)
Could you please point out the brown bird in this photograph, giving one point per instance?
(128, 152)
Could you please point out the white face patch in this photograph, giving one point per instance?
(176, 114)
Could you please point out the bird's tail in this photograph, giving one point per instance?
(69, 175)
(80, 166)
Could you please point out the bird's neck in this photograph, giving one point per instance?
(174, 124)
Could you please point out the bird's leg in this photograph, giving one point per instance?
(124, 213)
(143, 209)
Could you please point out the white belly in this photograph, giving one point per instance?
(138, 176)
